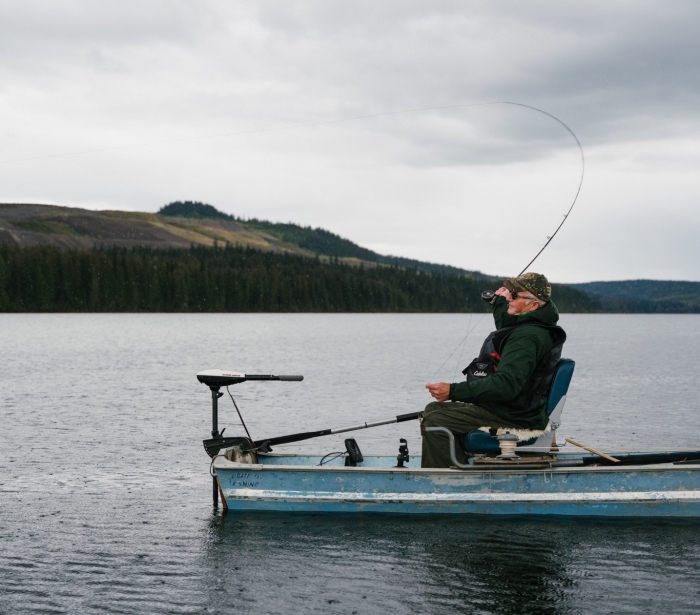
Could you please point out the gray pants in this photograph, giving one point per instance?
(459, 418)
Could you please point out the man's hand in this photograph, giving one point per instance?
(440, 390)
(501, 291)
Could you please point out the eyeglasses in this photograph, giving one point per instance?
(518, 296)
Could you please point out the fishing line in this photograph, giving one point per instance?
(464, 343)
(456, 349)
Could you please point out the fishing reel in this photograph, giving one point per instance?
(489, 296)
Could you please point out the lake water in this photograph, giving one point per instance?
(105, 494)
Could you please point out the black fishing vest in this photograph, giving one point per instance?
(537, 387)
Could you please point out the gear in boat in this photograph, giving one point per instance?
(482, 445)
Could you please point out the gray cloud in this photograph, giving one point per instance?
(82, 75)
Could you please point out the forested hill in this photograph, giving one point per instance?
(647, 296)
(178, 233)
(229, 279)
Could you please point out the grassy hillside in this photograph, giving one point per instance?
(69, 227)
(312, 241)
(180, 225)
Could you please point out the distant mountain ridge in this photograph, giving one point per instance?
(645, 296)
(183, 224)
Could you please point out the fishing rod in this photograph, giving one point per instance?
(264, 444)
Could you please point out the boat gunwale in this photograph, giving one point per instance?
(224, 464)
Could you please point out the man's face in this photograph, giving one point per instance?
(521, 303)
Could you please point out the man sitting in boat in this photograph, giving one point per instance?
(507, 384)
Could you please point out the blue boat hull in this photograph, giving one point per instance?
(291, 483)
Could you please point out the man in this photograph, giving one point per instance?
(507, 384)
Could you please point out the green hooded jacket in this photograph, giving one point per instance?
(521, 354)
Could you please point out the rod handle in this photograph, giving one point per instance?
(292, 378)
(412, 416)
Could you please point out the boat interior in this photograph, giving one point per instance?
(486, 449)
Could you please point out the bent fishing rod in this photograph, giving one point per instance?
(578, 190)
(549, 237)
(340, 121)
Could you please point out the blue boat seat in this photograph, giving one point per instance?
(481, 442)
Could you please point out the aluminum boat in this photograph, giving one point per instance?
(519, 473)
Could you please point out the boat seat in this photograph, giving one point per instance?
(482, 442)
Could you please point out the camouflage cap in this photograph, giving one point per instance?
(534, 283)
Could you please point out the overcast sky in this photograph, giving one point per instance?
(477, 187)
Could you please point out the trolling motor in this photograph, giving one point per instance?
(215, 379)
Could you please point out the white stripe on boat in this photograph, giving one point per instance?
(325, 496)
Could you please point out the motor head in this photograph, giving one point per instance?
(220, 378)
(224, 378)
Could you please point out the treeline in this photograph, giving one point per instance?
(229, 279)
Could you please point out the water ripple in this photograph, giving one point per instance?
(104, 486)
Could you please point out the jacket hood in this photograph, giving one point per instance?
(547, 315)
